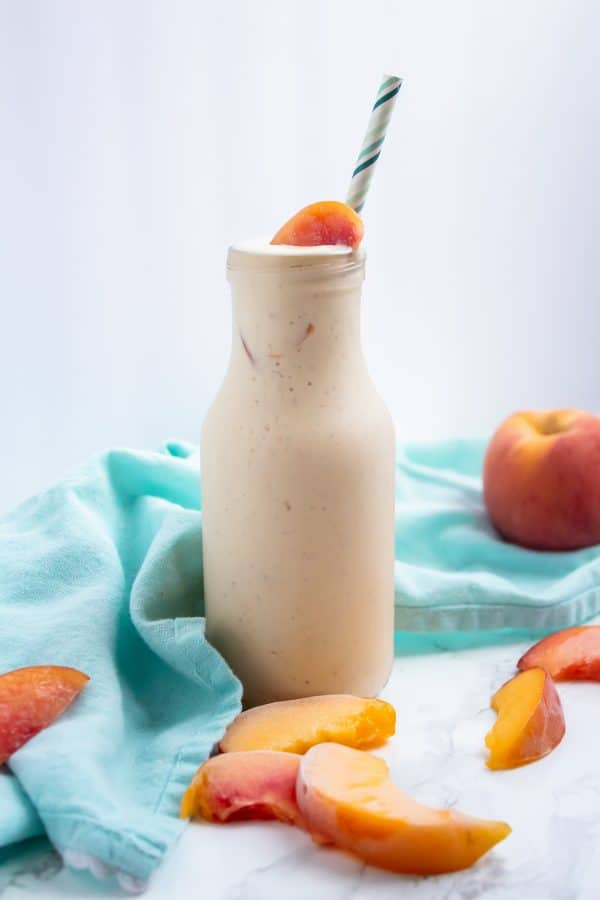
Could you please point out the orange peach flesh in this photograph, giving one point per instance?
(530, 720)
(569, 655)
(295, 725)
(347, 799)
(31, 699)
(326, 222)
(259, 784)
(541, 479)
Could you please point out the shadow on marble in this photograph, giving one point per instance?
(33, 868)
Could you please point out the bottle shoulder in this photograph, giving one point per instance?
(357, 424)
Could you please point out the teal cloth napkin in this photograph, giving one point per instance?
(455, 576)
(103, 572)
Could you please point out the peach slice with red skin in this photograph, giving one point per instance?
(31, 699)
(295, 725)
(530, 721)
(347, 798)
(326, 222)
(569, 655)
(258, 784)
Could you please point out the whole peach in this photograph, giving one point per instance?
(541, 479)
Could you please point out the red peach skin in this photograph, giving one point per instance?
(569, 655)
(541, 479)
(530, 721)
(326, 222)
(31, 699)
(347, 799)
(258, 784)
(296, 725)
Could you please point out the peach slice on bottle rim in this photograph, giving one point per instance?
(324, 223)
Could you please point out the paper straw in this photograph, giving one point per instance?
(372, 141)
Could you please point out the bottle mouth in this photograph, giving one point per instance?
(261, 256)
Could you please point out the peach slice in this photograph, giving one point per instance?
(258, 784)
(346, 797)
(296, 725)
(530, 720)
(569, 655)
(326, 222)
(31, 699)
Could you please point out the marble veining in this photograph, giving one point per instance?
(33, 865)
(438, 756)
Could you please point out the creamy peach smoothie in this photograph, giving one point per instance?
(298, 464)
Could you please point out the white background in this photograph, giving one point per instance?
(139, 137)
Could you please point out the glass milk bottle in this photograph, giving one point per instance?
(298, 465)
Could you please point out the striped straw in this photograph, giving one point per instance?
(372, 141)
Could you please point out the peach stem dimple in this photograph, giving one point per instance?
(549, 423)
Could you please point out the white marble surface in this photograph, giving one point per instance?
(438, 756)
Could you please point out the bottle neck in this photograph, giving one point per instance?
(294, 323)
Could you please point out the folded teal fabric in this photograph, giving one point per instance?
(454, 574)
(103, 572)
(18, 818)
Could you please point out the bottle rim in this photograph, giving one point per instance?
(298, 260)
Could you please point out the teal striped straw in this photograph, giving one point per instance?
(372, 141)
